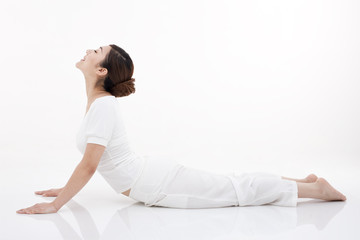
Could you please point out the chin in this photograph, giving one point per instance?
(77, 65)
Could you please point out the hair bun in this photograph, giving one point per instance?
(124, 88)
(118, 81)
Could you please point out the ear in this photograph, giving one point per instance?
(101, 72)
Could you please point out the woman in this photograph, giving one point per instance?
(153, 180)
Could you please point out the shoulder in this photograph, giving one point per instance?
(101, 108)
(107, 103)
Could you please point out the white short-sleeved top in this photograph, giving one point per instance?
(119, 165)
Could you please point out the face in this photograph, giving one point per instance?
(90, 64)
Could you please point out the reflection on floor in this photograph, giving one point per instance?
(313, 219)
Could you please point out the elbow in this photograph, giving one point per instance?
(89, 169)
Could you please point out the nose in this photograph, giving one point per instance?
(87, 51)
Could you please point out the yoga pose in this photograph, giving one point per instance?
(158, 181)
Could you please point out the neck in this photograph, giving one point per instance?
(93, 92)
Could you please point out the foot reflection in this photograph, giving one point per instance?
(318, 212)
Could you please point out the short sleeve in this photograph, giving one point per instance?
(100, 123)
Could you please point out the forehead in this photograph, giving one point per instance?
(105, 48)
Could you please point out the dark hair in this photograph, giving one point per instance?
(118, 81)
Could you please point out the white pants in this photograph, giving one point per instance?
(163, 182)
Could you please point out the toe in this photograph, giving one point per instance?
(311, 178)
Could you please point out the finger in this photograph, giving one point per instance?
(39, 192)
(29, 211)
(44, 194)
(23, 211)
(49, 195)
(20, 211)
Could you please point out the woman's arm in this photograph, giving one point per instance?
(81, 175)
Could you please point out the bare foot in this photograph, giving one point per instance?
(311, 178)
(328, 192)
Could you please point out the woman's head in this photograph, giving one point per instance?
(111, 68)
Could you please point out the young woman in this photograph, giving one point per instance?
(158, 181)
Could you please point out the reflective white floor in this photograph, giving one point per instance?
(99, 213)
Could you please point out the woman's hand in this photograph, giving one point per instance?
(39, 208)
(54, 192)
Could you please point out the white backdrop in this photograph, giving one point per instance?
(220, 85)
